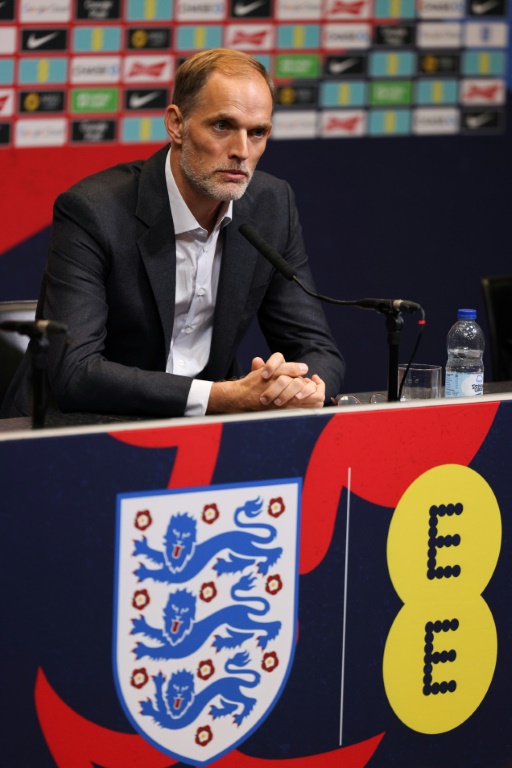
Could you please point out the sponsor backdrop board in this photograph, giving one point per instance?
(158, 611)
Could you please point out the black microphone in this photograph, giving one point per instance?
(387, 306)
(33, 327)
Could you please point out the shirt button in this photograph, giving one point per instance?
(188, 329)
(200, 292)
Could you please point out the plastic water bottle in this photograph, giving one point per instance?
(465, 366)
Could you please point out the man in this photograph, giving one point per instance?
(158, 287)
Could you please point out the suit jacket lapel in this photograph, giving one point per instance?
(157, 245)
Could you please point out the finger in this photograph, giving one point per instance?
(256, 363)
(272, 364)
(281, 389)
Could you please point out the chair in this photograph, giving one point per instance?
(497, 293)
(12, 344)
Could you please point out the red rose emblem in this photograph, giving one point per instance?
(208, 592)
(210, 513)
(205, 669)
(143, 519)
(140, 599)
(139, 678)
(269, 661)
(276, 507)
(204, 735)
(273, 584)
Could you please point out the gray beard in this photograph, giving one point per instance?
(204, 178)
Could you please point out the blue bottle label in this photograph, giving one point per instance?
(463, 384)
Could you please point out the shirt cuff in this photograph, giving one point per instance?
(198, 397)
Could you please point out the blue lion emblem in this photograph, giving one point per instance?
(176, 705)
(181, 635)
(182, 558)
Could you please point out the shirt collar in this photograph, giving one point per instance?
(183, 218)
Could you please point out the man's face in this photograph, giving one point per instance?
(225, 136)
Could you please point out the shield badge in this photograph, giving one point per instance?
(206, 590)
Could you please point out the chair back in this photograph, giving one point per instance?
(12, 344)
(497, 293)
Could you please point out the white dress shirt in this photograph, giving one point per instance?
(198, 257)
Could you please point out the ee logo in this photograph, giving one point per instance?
(443, 545)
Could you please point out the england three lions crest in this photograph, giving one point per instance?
(205, 612)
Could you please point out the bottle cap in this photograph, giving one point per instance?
(466, 314)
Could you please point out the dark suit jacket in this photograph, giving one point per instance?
(110, 276)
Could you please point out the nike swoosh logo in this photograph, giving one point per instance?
(341, 66)
(477, 121)
(241, 9)
(484, 7)
(139, 101)
(36, 42)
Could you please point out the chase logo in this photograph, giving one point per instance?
(431, 121)
(352, 36)
(149, 10)
(96, 39)
(205, 616)
(200, 10)
(95, 69)
(98, 10)
(42, 71)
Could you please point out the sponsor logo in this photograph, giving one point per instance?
(200, 10)
(41, 101)
(149, 10)
(342, 123)
(484, 63)
(6, 102)
(44, 40)
(43, 12)
(440, 9)
(94, 100)
(291, 96)
(389, 122)
(288, 10)
(444, 120)
(52, 70)
(149, 38)
(439, 34)
(397, 93)
(343, 94)
(95, 69)
(486, 35)
(196, 38)
(250, 9)
(98, 10)
(394, 35)
(352, 36)
(348, 9)
(93, 131)
(483, 121)
(156, 98)
(6, 71)
(437, 91)
(205, 624)
(250, 38)
(96, 39)
(7, 40)
(7, 10)
(395, 64)
(40, 132)
(487, 8)
(298, 36)
(143, 129)
(297, 66)
(295, 125)
(394, 9)
(482, 92)
(5, 134)
(155, 68)
(346, 66)
(438, 64)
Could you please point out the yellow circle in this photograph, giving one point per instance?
(31, 102)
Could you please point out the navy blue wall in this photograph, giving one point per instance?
(414, 218)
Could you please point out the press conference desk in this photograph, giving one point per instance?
(402, 644)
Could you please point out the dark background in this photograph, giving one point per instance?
(419, 218)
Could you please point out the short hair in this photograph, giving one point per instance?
(193, 74)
